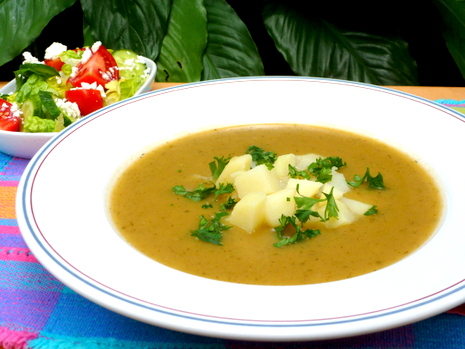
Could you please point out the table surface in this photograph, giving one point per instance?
(427, 92)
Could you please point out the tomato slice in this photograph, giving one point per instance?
(56, 63)
(8, 120)
(101, 68)
(88, 100)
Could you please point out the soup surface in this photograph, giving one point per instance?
(158, 222)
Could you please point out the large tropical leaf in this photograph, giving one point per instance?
(180, 58)
(139, 25)
(22, 21)
(315, 47)
(231, 50)
(453, 24)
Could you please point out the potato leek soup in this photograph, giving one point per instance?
(275, 204)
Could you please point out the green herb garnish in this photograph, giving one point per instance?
(259, 156)
(287, 222)
(373, 210)
(198, 194)
(373, 182)
(320, 169)
(201, 192)
(217, 166)
(229, 204)
(211, 231)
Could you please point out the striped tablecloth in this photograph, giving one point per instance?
(37, 311)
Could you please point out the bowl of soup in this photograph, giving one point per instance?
(289, 208)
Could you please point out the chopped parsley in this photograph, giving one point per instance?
(303, 213)
(202, 192)
(320, 169)
(260, 156)
(298, 234)
(217, 166)
(373, 210)
(211, 231)
(373, 182)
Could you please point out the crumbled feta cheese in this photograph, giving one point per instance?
(16, 110)
(69, 108)
(96, 46)
(86, 55)
(74, 71)
(110, 74)
(92, 86)
(146, 73)
(54, 50)
(128, 64)
(29, 58)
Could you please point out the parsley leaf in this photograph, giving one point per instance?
(217, 166)
(229, 204)
(331, 209)
(320, 169)
(259, 156)
(373, 210)
(211, 231)
(224, 188)
(287, 222)
(197, 194)
(201, 192)
(304, 205)
(373, 182)
(295, 173)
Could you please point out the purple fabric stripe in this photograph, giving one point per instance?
(39, 305)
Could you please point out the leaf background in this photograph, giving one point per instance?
(426, 26)
(22, 21)
(315, 47)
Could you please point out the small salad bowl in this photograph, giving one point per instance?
(26, 145)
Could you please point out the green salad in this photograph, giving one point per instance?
(69, 84)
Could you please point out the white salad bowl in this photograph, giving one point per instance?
(427, 282)
(25, 144)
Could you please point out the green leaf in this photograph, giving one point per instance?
(22, 21)
(217, 166)
(315, 47)
(199, 193)
(137, 25)
(261, 156)
(373, 210)
(231, 50)
(211, 231)
(298, 235)
(453, 29)
(376, 182)
(180, 58)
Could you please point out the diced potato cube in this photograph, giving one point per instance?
(235, 164)
(259, 178)
(339, 181)
(281, 165)
(306, 187)
(249, 212)
(303, 161)
(278, 204)
(345, 216)
(357, 207)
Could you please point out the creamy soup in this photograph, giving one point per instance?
(158, 222)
